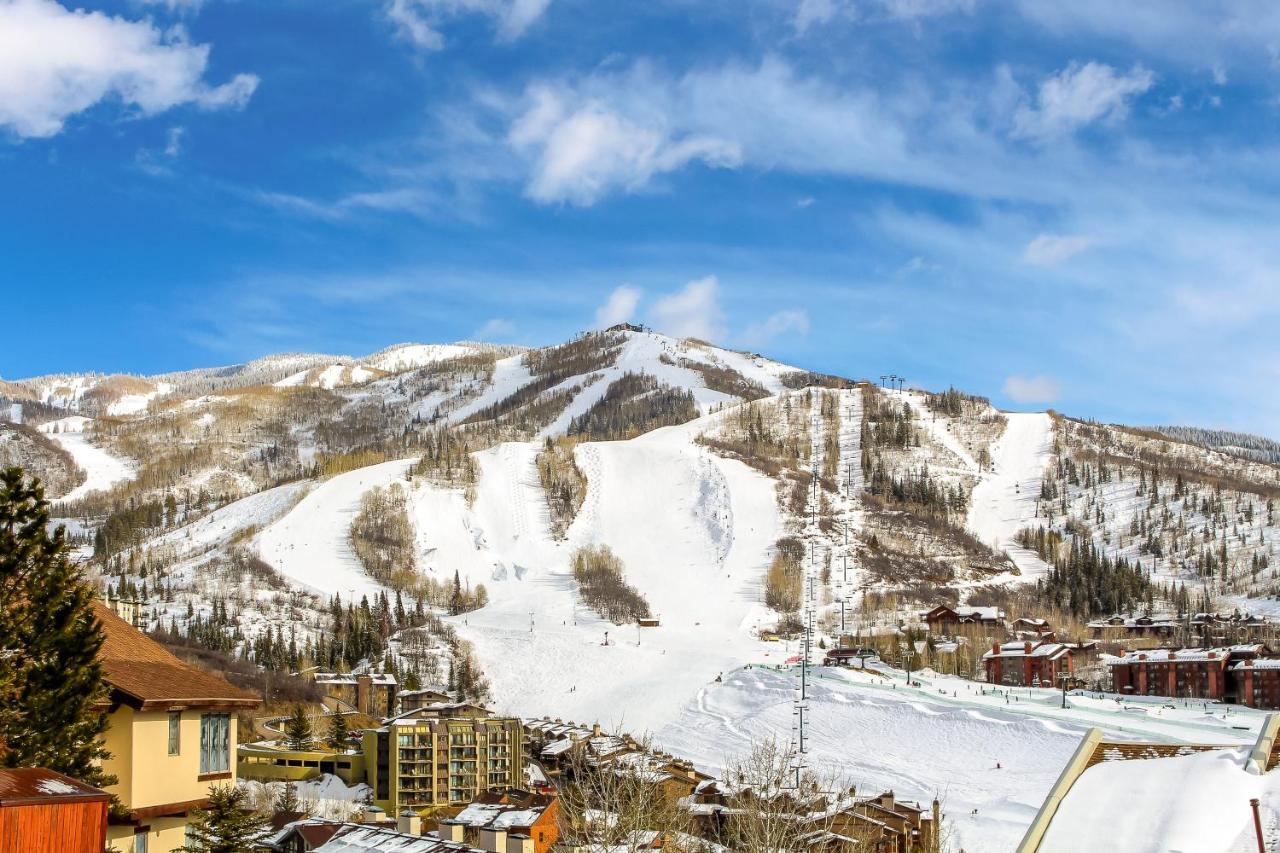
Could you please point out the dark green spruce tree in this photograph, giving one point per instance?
(338, 731)
(227, 825)
(49, 642)
(297, 729)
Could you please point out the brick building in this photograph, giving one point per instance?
(1027, 663)
(371, 694)
(1185, 673)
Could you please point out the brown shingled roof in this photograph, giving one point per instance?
(144, 675)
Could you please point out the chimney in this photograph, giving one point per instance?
(1026, 647)
(493, 840)
(364, 687)
(450, 830)
(1173, 654)
(995, 647)
(596, 731)
(409, 822)
(519, 844)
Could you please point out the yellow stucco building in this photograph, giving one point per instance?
(171, 734)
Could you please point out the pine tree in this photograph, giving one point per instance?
(226, 826)
(338, 731)
(297, 729)
(287, 800)
(49, 642)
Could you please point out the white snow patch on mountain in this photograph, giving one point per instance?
(408, 356)
(311, 544)
(1005, 501)
(102, 469)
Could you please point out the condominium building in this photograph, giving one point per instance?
(441, 756)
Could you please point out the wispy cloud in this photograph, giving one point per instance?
(692, 312)
(620, 307)
(1049, 250)
(1080, 95)
(1031, 389)
(775, 326)
(420, 21)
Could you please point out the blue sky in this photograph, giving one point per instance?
(1054, 204)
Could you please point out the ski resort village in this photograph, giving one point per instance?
(674, 426)
(633, 592)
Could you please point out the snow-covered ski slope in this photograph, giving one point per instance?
(1004, 501)
(311, 544)
(653, 353)
(102, 469)
(694, 531)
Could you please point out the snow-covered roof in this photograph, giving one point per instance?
(1189, 802)
(498, 816)
(355, 838)
(1019, 649)
(1258, 663)
(1164, 655)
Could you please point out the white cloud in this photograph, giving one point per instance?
(419, 21)
(1048, 250)
(173, 141)
(179, 6)
(414, 200)
(612, 132)
(811, 12)
(1031, 389)
(912, 9)
(582, 149)
(775, 326)
(692, 312)
(1080, 95)
(495, 329)
(55, 63)
(620, 307)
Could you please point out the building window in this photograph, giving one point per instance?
(215, 743)
(175, 725)
(140, 843)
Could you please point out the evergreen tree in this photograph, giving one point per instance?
(49, 642)
(297, 730)
(287, 800)
(226, 826)
(338, 731)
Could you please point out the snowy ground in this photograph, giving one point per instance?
(102, 469)
(1005, 500)
(697, 561)
(311, 543)
(944, 738)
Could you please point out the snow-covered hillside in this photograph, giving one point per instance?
(734, 491)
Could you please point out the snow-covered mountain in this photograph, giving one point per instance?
(721, 481)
